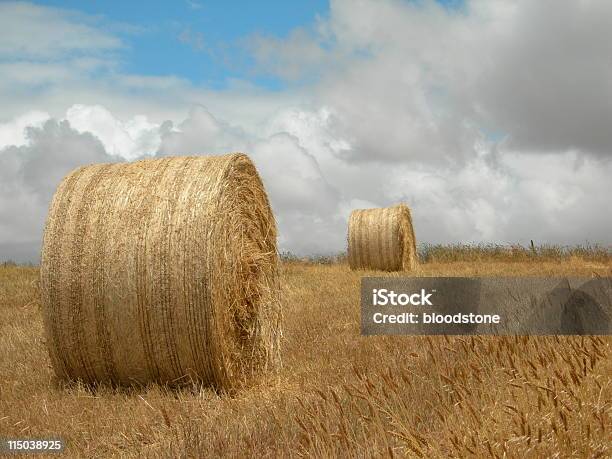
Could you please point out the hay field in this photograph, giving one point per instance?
(338, 394)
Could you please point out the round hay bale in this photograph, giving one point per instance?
(382, 239)
(162, 270)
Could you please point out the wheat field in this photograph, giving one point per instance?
(338, 393)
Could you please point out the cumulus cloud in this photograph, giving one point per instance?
(201, 133)
(132, 139)
(491, 122)
(305, 203)
(420, 94)
(549, 198)
(414, 80)
(14, 132)
(512, 197)
(29, 175)
(307, 206)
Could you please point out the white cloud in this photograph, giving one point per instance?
(129, 140)
(29, 175)
(418, 75)
(14, 131)
(202, 133)
(388, 101)
(305, 204)
(39, 32)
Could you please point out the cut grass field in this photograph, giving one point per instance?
(338, 393)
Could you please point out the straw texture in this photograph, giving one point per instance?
(162, 270)
(382, 239)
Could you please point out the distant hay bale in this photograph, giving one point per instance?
(382, 239)
(162, 270)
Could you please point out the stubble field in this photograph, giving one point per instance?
(338, 393)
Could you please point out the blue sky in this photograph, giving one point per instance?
(203, 41)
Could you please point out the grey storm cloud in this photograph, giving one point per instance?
(545, 77)
(413, 80)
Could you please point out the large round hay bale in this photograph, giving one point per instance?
(382, 239)
(162, 270)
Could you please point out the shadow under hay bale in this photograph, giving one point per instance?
(162, 270)
(382, 239)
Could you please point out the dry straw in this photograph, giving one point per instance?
(162, 270)
(382, 239)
